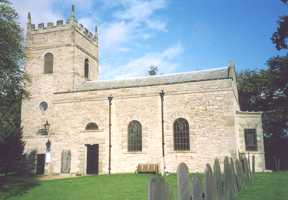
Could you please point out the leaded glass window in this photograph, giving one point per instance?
(250, 139)
(86, 68)
(181, 135)
(48, 63)
(134, 136)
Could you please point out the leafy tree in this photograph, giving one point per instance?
(11, 87)
(280, 37)
(153, 70)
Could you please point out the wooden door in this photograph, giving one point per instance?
(40, 164)
(92, 159)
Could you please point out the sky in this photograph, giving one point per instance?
(175, 35)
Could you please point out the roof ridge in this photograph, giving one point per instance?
(159, 75)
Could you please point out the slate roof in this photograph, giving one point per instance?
(210, 74)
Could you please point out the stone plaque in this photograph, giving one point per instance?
(66, 161)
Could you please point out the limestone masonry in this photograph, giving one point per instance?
(78, 124)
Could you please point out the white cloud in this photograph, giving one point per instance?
(115, 36)
(133, 21)
(166, 60)
(42, 12)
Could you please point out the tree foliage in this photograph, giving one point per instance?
(11, 87)
(280, 37)
(153, 70)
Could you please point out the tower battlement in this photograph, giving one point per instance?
(51, 26)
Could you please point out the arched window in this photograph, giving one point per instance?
(134, 136)
(48, 63)
(91, 126)
(181, 135)
(86, 68)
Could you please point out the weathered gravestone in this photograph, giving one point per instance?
(218, 179)
(233, 178)
(66, 161)
(158, 189)
(196, 191)
(183, 186)
(210, 185)
(227, 180)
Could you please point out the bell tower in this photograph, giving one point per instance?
(60, 56)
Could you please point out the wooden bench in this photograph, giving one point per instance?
(148, 168)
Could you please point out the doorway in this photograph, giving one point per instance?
(92, 159)
(40, 164)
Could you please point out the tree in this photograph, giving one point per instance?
(12, 77)
(280, 37)
(153, 70)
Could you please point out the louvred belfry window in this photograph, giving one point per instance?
(48, 63)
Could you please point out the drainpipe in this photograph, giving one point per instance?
(162, 128)
(110, 146)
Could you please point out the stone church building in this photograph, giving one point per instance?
(78, 124)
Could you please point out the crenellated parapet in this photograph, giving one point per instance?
(59, 24)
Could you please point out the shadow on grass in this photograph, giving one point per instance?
(15, 186)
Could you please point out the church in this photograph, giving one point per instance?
(80, 125)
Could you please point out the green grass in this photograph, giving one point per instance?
(124, 187)
(265, 186)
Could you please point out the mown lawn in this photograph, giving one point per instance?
(265, 186)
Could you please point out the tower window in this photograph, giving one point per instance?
(181, 135)
(250, 139)
(134, 136)
(48, 63)
(86, 68)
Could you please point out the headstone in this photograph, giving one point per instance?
(218, 179)
(183, 186)
(253, 165)
(227, 180)
(233, 176)
(65, 161)
(210, 186)
(196, 191)
(158, 189)
(239, 175)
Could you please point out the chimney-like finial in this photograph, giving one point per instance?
(96, 29)
(73, 13)
(29, 18)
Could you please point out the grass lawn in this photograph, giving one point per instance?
(265, 186)
(114, 187)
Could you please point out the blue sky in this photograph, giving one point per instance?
(175, 35)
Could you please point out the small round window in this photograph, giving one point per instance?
(43, 106)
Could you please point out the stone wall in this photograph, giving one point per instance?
(207, 105)
(251, 120)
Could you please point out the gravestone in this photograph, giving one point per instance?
(183, 186)
(66, 161)
(158, 189)
(210, 185)
(218, 179)
(196, 191)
